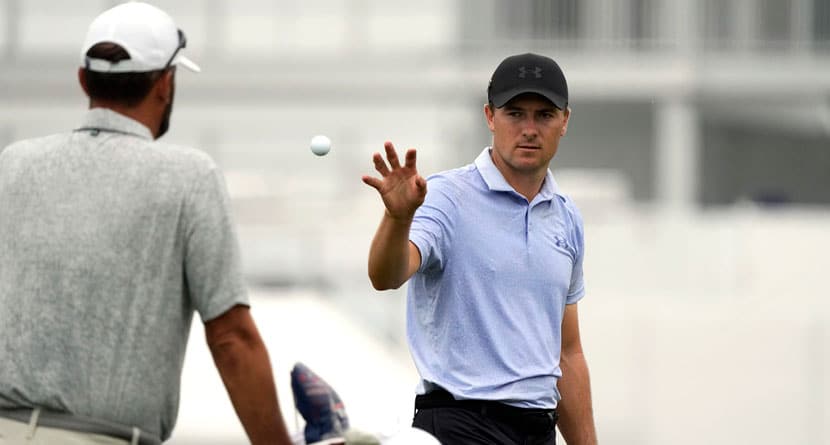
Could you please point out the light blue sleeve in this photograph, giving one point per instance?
(577, 288)
(432, 227)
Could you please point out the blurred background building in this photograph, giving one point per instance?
(697, 150)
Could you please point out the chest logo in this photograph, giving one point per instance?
(561, 242)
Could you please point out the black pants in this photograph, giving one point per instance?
(479, 422)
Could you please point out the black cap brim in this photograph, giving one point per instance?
(499, 100)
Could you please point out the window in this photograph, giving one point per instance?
(537, 19)
(821, 23)
(775, 18)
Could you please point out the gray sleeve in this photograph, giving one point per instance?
(211, 251)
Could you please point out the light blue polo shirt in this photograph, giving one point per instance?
(484, 310)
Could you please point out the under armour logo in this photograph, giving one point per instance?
(560, 241)
(536, 70)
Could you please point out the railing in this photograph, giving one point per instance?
(648, 25)
(272, 29)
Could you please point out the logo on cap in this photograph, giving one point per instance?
(536, 71)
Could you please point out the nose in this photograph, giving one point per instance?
(529, 130)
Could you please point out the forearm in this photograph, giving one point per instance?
(389, 253)
(246, 372)
(576, 416)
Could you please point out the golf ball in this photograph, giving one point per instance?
(320, 145)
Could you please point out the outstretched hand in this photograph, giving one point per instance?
(401, 187)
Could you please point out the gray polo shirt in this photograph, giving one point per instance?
(109, 241)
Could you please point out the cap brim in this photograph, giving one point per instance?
(187, 63)
(499, 100)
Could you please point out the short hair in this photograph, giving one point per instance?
(126, 88)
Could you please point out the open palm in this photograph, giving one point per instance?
(400, 186)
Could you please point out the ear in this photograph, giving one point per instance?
(163, 88)
(490, 114)
(82, 81)
(567, 116)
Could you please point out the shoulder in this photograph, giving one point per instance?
(447, 185)
(187, 154)
(33, 145)
(182, 159)
(571, 210)
(456, 180)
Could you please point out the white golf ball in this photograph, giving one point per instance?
(320, 145)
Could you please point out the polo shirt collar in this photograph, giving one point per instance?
(495, 180)
(106, 119)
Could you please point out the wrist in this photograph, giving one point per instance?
(400, 219)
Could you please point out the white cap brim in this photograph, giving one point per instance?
(148, 35)
(187, 63)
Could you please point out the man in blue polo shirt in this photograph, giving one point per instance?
(494, 252)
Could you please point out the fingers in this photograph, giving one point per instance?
(380, 166)
(421, 183)
(393, 166)
(391, 155)
(372, 182)
(410, 158)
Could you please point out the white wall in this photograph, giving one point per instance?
(709, 329)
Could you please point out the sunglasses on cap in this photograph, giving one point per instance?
(182, 45)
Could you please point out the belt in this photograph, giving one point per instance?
(66, 421)
(530, 421)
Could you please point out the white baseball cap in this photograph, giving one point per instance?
(148, 34)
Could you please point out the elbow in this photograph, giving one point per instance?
(233, 339)
(234, 355)
(227, 354)
(226, 357)
(379, 285)
(228, 345)
(231, 348)
(382, 283)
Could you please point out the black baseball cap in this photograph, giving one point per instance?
(528, 73)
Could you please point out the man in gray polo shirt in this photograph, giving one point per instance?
(109, 241)
(494, 251)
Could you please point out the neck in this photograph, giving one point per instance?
(140, 113)
(527, 186)
(526, 183)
